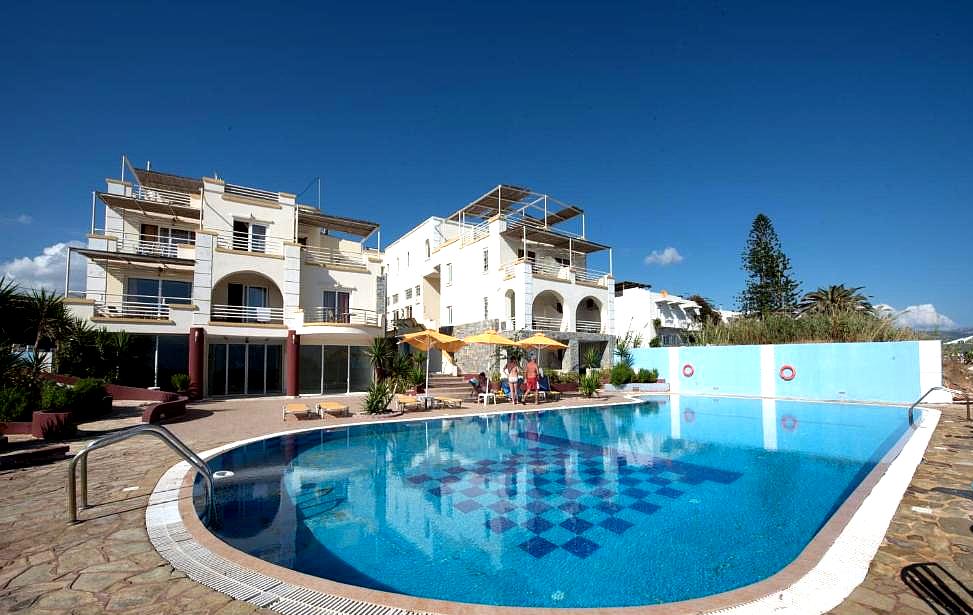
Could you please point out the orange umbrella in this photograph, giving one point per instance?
(428, 339)
(489, 337)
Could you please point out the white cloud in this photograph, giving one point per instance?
(668, 256)
(46, 270)
(20, 219)
(922, 316)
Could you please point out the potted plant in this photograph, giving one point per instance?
(54, 420)
(590, 383)
(180, 382)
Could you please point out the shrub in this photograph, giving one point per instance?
(89, 398)
(785, 329)
(646, 375)
(621, 374)
(558, 377)
(378, 398)
(655, 342)
(589, 383)
(16, 404)
(56, 397)
(591, 358)
(180, 382)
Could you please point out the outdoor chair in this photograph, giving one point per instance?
(296, 408)
(333, 408)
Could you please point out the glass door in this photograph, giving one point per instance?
(335, 369)
(236, 369)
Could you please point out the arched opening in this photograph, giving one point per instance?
(247, 296)
(547, 311)
(588, 316)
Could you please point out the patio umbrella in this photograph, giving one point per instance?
(539, 341)
(429, 339)
(491, 338)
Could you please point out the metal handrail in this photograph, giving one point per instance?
(81, 459)
(924, 395)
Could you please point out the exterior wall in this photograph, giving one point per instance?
(637, 308)
(897, 372)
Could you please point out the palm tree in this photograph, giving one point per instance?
(381, 354)
(45, 316)
(833, 300)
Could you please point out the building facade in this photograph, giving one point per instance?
(244, 289)
(513, 260)
(647, 314)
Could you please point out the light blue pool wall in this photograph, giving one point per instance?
(897, 372)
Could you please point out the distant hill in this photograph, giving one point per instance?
(957, 336)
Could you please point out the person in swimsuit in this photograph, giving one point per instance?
(513, 379)
(531, 372)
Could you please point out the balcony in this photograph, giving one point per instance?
(329, 257)
(350, 316)
(557, 272)
(158, 195)
(239, 241)
(135, 307)
(588, 326)
(546, 323)
(247, 314)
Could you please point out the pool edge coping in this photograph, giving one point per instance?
(826, 571)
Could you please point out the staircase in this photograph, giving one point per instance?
(449, 386)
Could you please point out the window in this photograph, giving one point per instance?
(398, 266)
(408, 294)
(149, 290)
(251, 303)
(417, 290)
(408, 258)
(562, 261)
(449, 314)
(449, 273)
(302, 241)
(336, 306)
(428, 250)
(395, 298)
(408, 311)
(486, 260)
(486, 308)
(163, 241)
(531, 255)
(249, 236)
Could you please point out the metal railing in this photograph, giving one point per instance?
(471, 234)
(135, 306)
(253, 193)
(158, 195)
(247, 313)
(80, 462)
(939, 388)
(546, 323)
(557, 271)
(353, 316)
(152, 245)
(248, 242)
(588, 326)
(330, 256)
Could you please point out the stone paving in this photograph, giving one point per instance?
(107, 565)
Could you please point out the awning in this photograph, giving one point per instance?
(150, 260)
(168, 181)
(351, 226)
(553, 238)
(141, 205)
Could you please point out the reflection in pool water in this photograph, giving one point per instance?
(638, 504)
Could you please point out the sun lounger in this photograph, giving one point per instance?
(450, 402)
(296, 408)
(402, 402)
(333, 408)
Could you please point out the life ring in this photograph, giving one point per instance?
(689, 416)
(687, 370)
(788, 422)
(787, 372)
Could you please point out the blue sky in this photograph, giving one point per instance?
(672, 123)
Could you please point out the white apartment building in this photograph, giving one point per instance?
(513, 260)
(244, 289)
(645, 313)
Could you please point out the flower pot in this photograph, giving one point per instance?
(51, 425)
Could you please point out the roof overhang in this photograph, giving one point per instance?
(553, 238)
(168, 181)
(341, 224)
(119, 201)
(145, 260)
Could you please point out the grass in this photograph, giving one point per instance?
(784, 329)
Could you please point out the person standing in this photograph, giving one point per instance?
(531, 372)
(513, 379)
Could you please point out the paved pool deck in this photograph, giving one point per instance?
(107, 564)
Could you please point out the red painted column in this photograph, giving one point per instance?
(293, 363)
(197, 348)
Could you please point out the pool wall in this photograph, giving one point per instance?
(896, 372)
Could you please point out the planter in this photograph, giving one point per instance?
(565, 387)
(51, 425)
(17, 428)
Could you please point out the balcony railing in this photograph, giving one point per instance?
(152, 245)
(546, 323)
(558, 271)
(588, 326)
(247, 314)
(158, 195)
(150, 307)
(248, 242)
(352, 316)
(253, 193)
(330, 257)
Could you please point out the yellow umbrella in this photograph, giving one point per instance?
(428, 339)
(540, 341)
(489, 337)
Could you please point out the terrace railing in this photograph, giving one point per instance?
(158, 195)
(331, 257)
(253, 193)
(152, 245)
(558, 271)
(352, 316)
(546, 323)
(588, 326)
(247, 314)
(248, 242)
(150, 307)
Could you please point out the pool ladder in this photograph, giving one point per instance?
(939, 388)
(80, 462)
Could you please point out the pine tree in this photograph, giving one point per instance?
(769, 288)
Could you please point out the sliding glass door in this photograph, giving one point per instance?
(328, 370)
(245, 369)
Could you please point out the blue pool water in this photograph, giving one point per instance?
(595, 507)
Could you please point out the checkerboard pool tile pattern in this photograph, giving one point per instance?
(575, 495)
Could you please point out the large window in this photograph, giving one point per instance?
(149, 290)
(253, 298)
(337, 306)
(245, 369)
(249, 236)
(334, 369)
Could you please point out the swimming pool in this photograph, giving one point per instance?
(626, 505)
